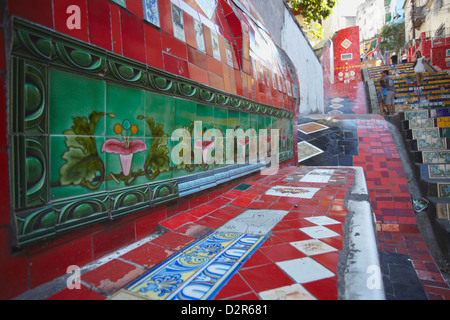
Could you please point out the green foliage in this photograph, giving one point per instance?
(83, 164)
(313, 12)
(157, 160)
(393, 37)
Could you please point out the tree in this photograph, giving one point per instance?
(313, 12)
(393, 37)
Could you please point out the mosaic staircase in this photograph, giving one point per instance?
(425, 121)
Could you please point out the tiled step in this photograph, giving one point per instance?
(434, 157)
(435, 132)
(435, 172)
(429, 144)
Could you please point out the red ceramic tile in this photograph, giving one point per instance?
(265, 277)
(83, 293)
(99, 24)
(38, 11)
(241, 202)
(177, 220)
(116, 28)
(291, 235)
(259, 205)
(227, 213)
(210, 222)
(214, 66)
(133, 37)
(281, 206)
(176, 66)
(196, 57)
(272, 241)
(235, 25)
(110, 239)
(13, 270)
(237, 76)
(256, 259)
(189, 30)
(68, 23)
(198, 200)
(201, 210)
(173, 46)
(112, 275)
(246, 297)
(216, 81)
(53, 263)
(282, 252)
(197, 74)
(328, 260)
(325, 289)
(236, 286)
(208, 41)
(135, 7)
(148, 255)
(173, 240)
(219, 202)
(194, 230)
(165, 16)
(147, 223)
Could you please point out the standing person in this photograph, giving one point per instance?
(382, 98)
(404, 58)
(394, 58)
(390, 92)
(419, 68)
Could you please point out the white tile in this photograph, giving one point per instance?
(319, 232)
(322, 220)
(312, 246)
(295, 192)
(254, 222)
(305, 270)
(293, 292)
(318, 176)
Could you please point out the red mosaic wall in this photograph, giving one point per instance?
(125, 32)
(347, 61)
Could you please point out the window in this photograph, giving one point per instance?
(346, 56)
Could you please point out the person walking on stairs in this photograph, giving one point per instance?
(419, 68)
(390, 92)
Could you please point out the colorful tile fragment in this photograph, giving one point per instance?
(199, 271)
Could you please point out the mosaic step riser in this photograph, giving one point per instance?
(423, 99)
(436, 190)
(439, 122)
(428, 106)
(431, 144)
(416, 114)
(427, 133)
(433, 157)
(435, 172)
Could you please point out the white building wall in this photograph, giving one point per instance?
(289, 37)
(370, 17)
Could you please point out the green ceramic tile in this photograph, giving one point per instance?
(76, 166)
(72, 96)
(159, 111)
(127, 104)
(233, 119)
(244, 120)
(185, 112)
(221, 118)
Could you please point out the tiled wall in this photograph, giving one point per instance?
(347, 61)
(75, 92)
